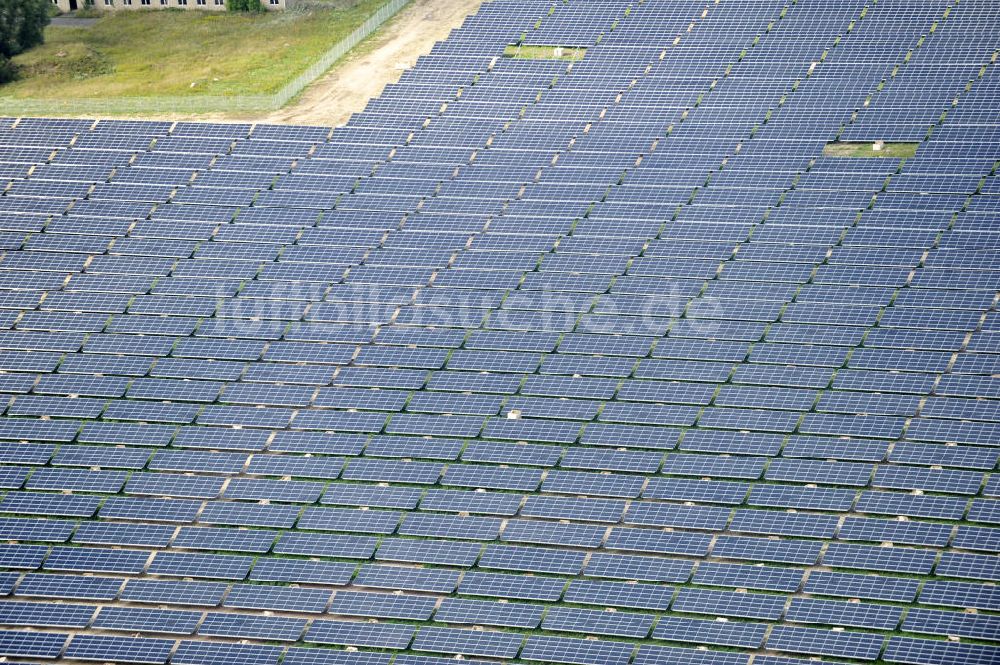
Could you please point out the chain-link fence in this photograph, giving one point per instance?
(203, 103)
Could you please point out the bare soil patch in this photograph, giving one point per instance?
(379, 61)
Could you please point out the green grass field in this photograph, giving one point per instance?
(890, 150)
(535, 52)
(176, 52)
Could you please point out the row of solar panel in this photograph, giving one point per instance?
(605, 484)
(787, 469)
(909, 650)
(481, 643)
(838, 555)
(466, 611)
(480, 612)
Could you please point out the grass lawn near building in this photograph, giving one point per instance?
(184, 52)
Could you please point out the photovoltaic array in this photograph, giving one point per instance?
(580, 344)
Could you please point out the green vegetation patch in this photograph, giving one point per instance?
(184, 53)
(542, 52)
(888, 150)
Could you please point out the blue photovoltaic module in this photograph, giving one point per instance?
(605, 336)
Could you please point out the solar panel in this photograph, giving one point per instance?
(492, 613)
(594, 339)
(382, 605)
(143, 620)
(722, 633)
(355, 633)
(468, 642)
(132, 649)
(576, 651)
(863, 646)
(203, 652)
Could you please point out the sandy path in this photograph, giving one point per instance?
(362, 73)
(381, 60)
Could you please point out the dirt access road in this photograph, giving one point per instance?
(380, 60)
(361, 74)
